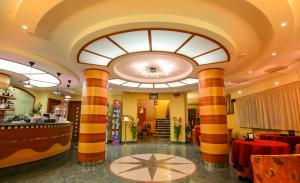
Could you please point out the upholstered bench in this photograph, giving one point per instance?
(276, 168)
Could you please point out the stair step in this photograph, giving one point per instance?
(167, 132)
(162, 130)
(163, 136)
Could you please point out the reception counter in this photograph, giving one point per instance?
(24, 143)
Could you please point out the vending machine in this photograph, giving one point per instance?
(108, 123)
(116, 122)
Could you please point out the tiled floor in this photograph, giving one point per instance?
(70, 171)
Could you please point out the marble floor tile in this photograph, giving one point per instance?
(70, 171)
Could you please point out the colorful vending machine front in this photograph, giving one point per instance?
(116, 122)
(107, 123)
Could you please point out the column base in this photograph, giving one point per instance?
(90, 164)
(213, 166)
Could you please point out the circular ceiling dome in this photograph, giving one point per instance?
(199, 48)
(153, 57)
(152, 67)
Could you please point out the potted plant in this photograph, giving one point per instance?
(177, 126)
(36, 109)
(133, 126)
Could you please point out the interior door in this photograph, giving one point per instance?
(74, 111)
(51, 103)
(191, 114)
(141, 115)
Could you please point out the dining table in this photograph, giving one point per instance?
(291, 140)
(243, 149)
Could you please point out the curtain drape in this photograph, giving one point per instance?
(277, 108)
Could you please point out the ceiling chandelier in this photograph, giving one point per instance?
(159, 68)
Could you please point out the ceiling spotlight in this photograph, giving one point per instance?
(276, 83)
(250, 72)
(239, 92)
(28, 85)
(283, 24)
(57, 92)
(274, 54)
(25, 27)
(68, 97)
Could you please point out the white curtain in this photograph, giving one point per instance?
(277, 108)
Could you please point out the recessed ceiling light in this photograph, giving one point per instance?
(239, 92)
(146, 85)
(283, 24)
(131, 84)
(25, 27)
(190, 81)
(116, 81)
(274, 54)
(161, 85)
(176, 84)
(250, 72)
(276, 83)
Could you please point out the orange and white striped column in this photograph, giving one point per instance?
(4, 81)
(91, 147)
(213, 121)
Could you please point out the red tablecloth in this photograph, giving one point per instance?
(291, 140)
(242, 150)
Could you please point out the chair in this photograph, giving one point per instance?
(276, 168)
(197, 134)
(297, 151)
(230, 135)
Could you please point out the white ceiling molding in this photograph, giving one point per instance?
(184, 82)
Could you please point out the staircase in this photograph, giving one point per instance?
(163, 128)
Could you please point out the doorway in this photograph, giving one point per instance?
(162, 116)
(154, 120)
(146, 115)
(74, 110)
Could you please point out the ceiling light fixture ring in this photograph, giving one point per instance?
(109, 38)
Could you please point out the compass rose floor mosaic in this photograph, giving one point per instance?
(152, 167)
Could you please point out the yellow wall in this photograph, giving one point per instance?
(42, 97)
(177, 108)
(255, 88)
(161, 108)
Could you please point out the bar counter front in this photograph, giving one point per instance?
(24, 143)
